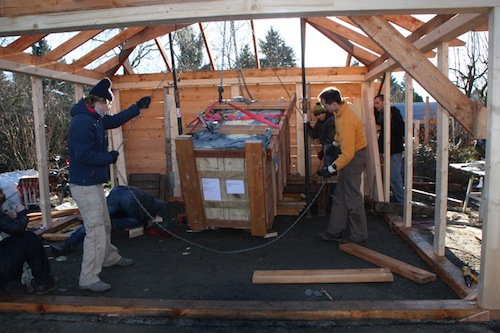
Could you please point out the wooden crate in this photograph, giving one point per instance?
(236, 188)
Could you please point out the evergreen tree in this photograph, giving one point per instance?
(190, 50)
(246, 58)
(276, 53)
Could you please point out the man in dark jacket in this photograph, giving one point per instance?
(22, 246)
(129, 207)
(89, 170)
(397, 145)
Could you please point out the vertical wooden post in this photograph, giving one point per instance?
(299, 121)
(254, 156)
(118, 170)
(408, 180)
(387, 138)
(489, 277)
(171, 133)
(427, 120)
(441, 163)
(373, 171)
(190, 181)
(41, 149)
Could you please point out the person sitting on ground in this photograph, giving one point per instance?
(129, 207)
(22, 246)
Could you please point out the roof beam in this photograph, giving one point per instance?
(254, 41)
(456, 26)
(409, 57)
(23, 42)
(37, 16)
(71, 44)
(362, 55)
(107, 46)
(51, 72)
(113, 64)
(207, 46)
(163, 54)
(347, 33)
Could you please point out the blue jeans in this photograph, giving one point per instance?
(124, 212)
(396, 179)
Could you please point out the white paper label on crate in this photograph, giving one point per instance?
(211, 189)
(235, 187)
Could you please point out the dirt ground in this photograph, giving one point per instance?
(218, 264)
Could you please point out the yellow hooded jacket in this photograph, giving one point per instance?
(350, 133)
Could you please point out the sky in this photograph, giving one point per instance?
(319, 50)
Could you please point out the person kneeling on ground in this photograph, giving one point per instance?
(129, 207)
(22, 246)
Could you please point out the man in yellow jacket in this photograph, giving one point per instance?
(348, 202)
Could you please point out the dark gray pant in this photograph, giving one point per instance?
(348, 202)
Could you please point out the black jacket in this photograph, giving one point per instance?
(13, 226)
(397, 131)
(324, 130)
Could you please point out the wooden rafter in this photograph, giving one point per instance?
(457, 26)
(27, 63)
(416, 64)
(207, 46)
(71, 44)
(23, 42)
(149, 33)
(344, 31)
(163, 54)
(107, 46)
(362, 55)
(254, 40)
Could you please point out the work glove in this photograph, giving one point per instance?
(143, 103)
(328, 171)
(114, 155)
(320, 155)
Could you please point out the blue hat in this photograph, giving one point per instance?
(103, 89)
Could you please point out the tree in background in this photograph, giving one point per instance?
(246, 58)
(190, 48)
(276, 53)
(470, 70)
(16, 117)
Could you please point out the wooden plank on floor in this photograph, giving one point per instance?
(399, 267)
(58, 224)
(323, 276)
(249, 310)
(54, 213)
(447, 271)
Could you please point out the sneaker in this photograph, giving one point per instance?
(48, 286)
(97, 287)
(326, 236)
(123, 262)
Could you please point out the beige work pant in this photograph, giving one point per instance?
(97, 248)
